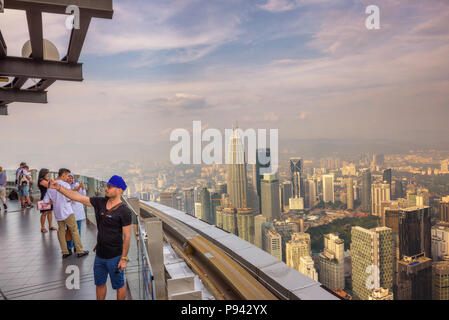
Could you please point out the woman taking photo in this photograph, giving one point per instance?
(44, 177)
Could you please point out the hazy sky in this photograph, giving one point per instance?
(309, 68)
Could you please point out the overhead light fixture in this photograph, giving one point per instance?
(4, 79)
(50, 50)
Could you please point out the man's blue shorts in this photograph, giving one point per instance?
(23, 191)
(103, 267)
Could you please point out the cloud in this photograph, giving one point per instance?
(287, 5)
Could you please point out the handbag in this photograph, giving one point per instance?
(104, 216)
(41, 205)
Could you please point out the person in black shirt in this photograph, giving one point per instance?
(42, 183)
(114, 233)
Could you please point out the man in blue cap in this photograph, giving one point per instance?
(114, 234)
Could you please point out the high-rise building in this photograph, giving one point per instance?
(380, 192)
(307, 267)
(440, 280)
(387, 176)
(262, 166)
(444, 210)
(297, 247)
(350, 194)
(206, 206)
(398, 190)
(259, 220)
(270, 197)
(440, 242)
(168, 199)
(226, 219)
(198, 210)
(372, 260)
(366, 191)
(287, 192)
(332, 263)
(415, 278)
(411, 228)
(310, 193)
(189, 201)
(245, 224)
(296, 172)
(215, 202)
(236, 172)
(273, 243)
(328, 188)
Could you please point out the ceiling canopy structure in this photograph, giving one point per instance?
(39, 60)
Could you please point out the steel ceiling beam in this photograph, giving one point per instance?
(34, 19)
(77, 38)
(53, 70)
(94, 8)
(3, 48)
(16, 95)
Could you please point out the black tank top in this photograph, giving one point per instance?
(42, 188)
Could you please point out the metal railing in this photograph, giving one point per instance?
(145, 278)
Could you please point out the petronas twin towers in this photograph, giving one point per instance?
(236, 171)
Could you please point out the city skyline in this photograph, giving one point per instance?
(302, 70)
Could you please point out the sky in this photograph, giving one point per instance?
(309, 68)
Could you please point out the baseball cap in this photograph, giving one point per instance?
(117, 182)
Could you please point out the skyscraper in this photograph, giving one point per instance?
(259, 220)
(332, 263)
(226, 220)
(306, 267)
(380, 192)
(189, 201)
(350, 194)
(270, 197)
(444, 209)
(206, 206)
(415, 278)
(398, 189)
(440, 282)
(366, 191)
(328, 188)
(236, 172)
(245, 224)
(215, 202)
(387, 176)
(273, 243)
(310, 193)
(168, 199)
(297, 247)
(287, 192)
(411, 229)
(372, 260)
(198, 210)
(262, 166)
(296, 169)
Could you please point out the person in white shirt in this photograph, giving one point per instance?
(78, 207)
(64, 214)
(23, 186)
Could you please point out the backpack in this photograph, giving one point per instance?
(13, 195)
(23, 181)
